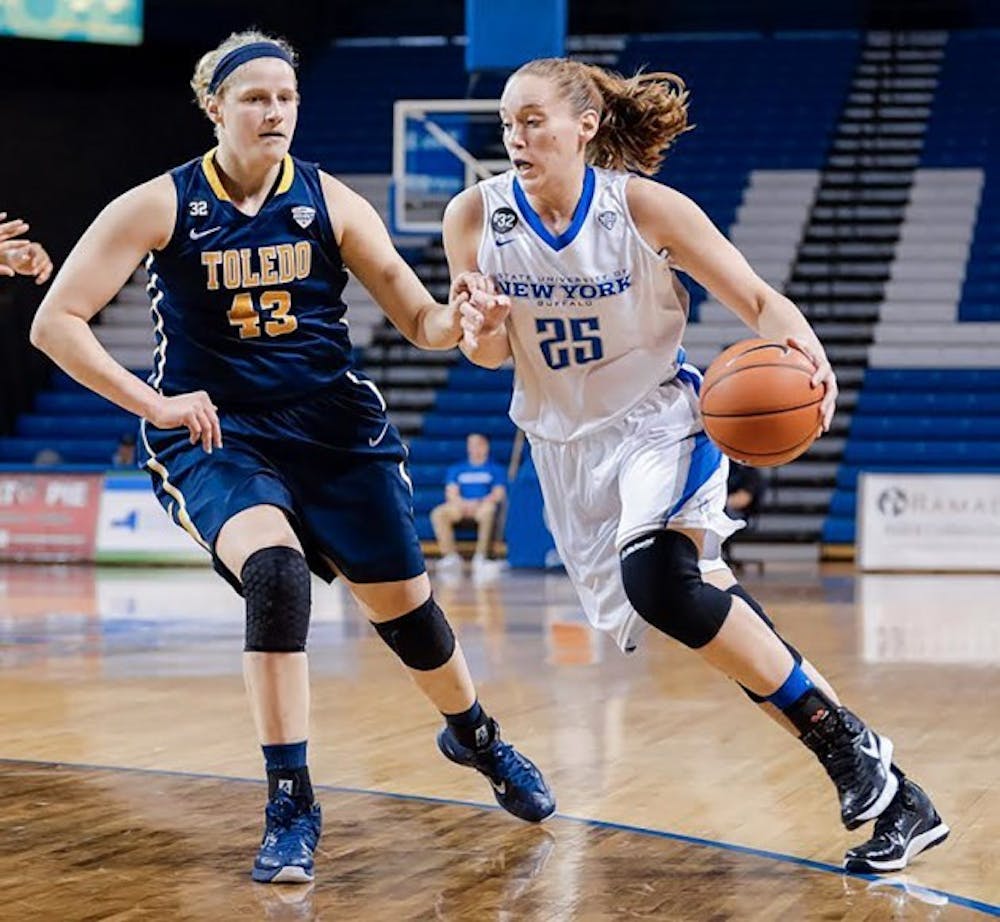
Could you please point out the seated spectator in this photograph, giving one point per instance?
(745, 492)
(745, 489)
(124, 455)
(47, 457)
(474, 490)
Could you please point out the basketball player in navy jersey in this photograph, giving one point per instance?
(261, 439)
(585, 253)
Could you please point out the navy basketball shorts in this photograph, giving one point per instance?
(332, 462)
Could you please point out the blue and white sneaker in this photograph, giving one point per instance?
(518, 785)
(290, 837)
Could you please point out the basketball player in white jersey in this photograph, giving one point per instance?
(585, 253)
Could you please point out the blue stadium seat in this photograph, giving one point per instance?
(425, 450)
(917, 420)
(468, 377)
(874, 403)
(958, 455)
(72, 451)
(963, 428)
(847, 474)
(969, 83)
(111, 426)
(492, 426)
(480, 402)
(931, 380)
(838, 530)
(428, 473)
(73, 403)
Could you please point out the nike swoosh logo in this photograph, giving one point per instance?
(373, 442)
(500, 788)
(873, 752)
(503, 243)
(197, 235)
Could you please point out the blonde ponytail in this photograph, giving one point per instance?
(640, 116)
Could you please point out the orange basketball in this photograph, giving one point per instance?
(758, 405)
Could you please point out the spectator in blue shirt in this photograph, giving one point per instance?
(474, 489)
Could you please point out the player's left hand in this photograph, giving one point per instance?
(482, 311)
(824, 376)
(463, 287)
(22, 257)
(38, 264)
(467, 283)
(482, 314)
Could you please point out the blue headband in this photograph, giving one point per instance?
(229, 62)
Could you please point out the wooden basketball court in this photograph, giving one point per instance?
(130, 781)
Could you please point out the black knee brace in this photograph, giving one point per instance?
(277, 590)
(738, 590)
(422, 638)
(663, 583)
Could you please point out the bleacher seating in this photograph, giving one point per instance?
(970, 83)
(738, 126)
(740, 132)
(783, 123)
(941, 419)
(917, 420)
(348, 93)
(473, 400)
(80, 426)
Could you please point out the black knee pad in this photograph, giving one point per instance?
(738, 590)
(422, 638)
(663, 583)
(278, 592)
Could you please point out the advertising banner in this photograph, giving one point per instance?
(48, 517)
(134, 528)
(110, 22)
(929, 522)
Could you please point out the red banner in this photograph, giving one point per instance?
(49, 516)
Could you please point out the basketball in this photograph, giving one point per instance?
(758, 404)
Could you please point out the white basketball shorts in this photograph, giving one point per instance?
(650, 469)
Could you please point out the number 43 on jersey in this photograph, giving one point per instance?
(277, 305)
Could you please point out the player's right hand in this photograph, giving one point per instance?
(194, 411)
(483, 313)
(11, 252)
(13, 228)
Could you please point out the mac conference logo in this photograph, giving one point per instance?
(607, 219)
(303, 215)
(892, 502)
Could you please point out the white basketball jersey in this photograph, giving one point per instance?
(597, 315)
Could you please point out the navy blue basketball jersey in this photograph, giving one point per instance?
(249, 309)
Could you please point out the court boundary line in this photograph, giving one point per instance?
(989, 909)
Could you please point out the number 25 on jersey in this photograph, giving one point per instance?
(571, 342)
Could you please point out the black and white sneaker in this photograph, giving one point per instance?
(857, 760)
(910, 825)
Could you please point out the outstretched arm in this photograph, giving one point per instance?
(101, 262)
(670, 221)
(368, 252)
(484, 340)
